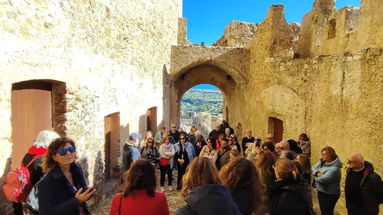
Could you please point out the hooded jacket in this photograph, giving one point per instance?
(371, 190)
(289, 198)
(212, 199)
(329, 183)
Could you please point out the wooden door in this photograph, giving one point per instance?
(112, 145)
(152, 120)
(31, 113)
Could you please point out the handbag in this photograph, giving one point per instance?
(164, 162)
(119, 206)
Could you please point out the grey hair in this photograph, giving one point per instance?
(44, 138)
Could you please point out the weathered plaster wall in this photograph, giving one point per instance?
(109, 54)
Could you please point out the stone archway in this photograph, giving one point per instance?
(204, 73)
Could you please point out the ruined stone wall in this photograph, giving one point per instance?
(110, 54)
(326, 31)
(237, 34)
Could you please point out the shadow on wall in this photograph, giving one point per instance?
(98, 179)
(166, 94)
(5, 205)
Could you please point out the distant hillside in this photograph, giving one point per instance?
(196, 100)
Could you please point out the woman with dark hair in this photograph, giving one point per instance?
(305, 144)
(233, 142)
(268, 146)
(288, 195)
(203, 193)
(63, 189)
(327, 175)
(294, 146)
(264, 162)
(241, 178)
(150, 151)
(208, 150)
(139, 196)
(34, 158)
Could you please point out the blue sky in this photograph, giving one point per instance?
(207, 19)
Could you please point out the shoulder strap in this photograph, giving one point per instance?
(33, 160)
(119, 207)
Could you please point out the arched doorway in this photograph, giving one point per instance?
(200, 74)
(201, 106)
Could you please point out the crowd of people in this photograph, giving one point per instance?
(221, 175)
(218, 175)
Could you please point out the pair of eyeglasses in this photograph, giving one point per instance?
(182, 138)
(63, 152)
(150, 142)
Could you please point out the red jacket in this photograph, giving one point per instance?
(140, 204)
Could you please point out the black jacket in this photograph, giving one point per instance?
(289, 198)
(371, 190)
(212, 199)
(55, 195)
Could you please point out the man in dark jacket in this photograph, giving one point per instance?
(364, 188)
(174, 132)
(216, 132)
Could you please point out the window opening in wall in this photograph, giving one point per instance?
(202, 106)
(331, 29)
(276, 128)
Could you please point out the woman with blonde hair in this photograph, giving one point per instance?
(241, 178)
(203, 193)
(150, 151)
(289, 193)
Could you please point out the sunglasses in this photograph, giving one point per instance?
(182, 138)
(63, 152)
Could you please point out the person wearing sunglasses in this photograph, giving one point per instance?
(63, 189)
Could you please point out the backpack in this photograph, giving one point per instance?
(33, 198)
(18, 183)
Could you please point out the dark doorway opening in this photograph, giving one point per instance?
(151, 120)
(112, 145)
(276, 128)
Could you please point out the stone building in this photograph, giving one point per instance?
(99, 70)
(92, 70)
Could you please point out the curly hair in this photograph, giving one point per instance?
(141, 175)
(48, 163)
(200, 171)
(242, 175)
